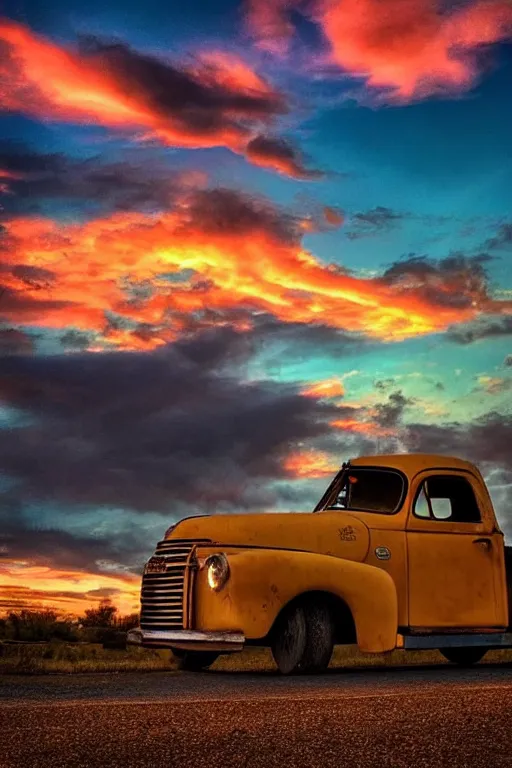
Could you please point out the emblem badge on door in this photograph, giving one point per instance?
(382, 553)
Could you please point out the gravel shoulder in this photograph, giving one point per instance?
(359, 718)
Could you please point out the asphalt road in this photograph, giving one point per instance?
(436, 717)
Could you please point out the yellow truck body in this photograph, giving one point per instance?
(402, 551)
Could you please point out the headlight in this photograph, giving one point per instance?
(217, 567)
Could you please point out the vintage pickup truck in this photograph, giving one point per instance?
(403, 551)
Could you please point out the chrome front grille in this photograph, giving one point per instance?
(163, 602)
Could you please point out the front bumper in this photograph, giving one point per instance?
(187, 639)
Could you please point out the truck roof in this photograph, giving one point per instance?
(411, 463)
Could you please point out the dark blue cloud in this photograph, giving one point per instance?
(151, 432)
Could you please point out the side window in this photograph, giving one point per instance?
(442, 508)
(421, 508)
(445, 497)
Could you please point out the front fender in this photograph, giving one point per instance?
(262, 582)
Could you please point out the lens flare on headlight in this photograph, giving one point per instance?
(218, 571)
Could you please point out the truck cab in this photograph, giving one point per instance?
(402, 551)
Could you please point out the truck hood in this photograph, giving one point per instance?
(329, 533)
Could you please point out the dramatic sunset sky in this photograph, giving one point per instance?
(241, 243)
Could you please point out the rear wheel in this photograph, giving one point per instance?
(303, 638)
(464, 657)
(194, 661)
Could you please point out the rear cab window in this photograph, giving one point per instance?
(366, 489)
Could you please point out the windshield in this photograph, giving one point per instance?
(365, 489)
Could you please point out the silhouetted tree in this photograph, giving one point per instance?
(44, 624)
(102, 616)
(125, 623)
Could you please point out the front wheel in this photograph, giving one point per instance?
(194, 661)
(463, 657)
(303, 639)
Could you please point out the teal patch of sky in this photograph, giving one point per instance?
(433, 356)
(47, 341)
(184, 276)
(12, 417)
(298, 495)
(7, 484)
(418, 237)
(277, 362)
(440, 358)
(485, 355)
(101, 522)
(439, 156)
(455, 366)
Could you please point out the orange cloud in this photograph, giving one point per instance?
(360, 427)
(70, 592)
(334, 216)
(155, 271)
(327, 388)
(494, 385)
(310, 464)
(411, 47)
(216, 100)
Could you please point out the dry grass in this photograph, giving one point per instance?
(345, 656)
(80, 657)
(84, 657)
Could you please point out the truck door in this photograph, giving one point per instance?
(453, 556)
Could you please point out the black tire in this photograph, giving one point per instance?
(194, 661)
(289, 639)
(319, 639)
(303, 639)
(464, 657)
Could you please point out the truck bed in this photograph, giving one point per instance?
(508, 568)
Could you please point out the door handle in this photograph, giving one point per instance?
(486, 543)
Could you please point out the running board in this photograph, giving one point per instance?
(423, 642)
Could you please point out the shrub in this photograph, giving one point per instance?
(102, 616)
(96, 626)
(125, 623)
(39, 625)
